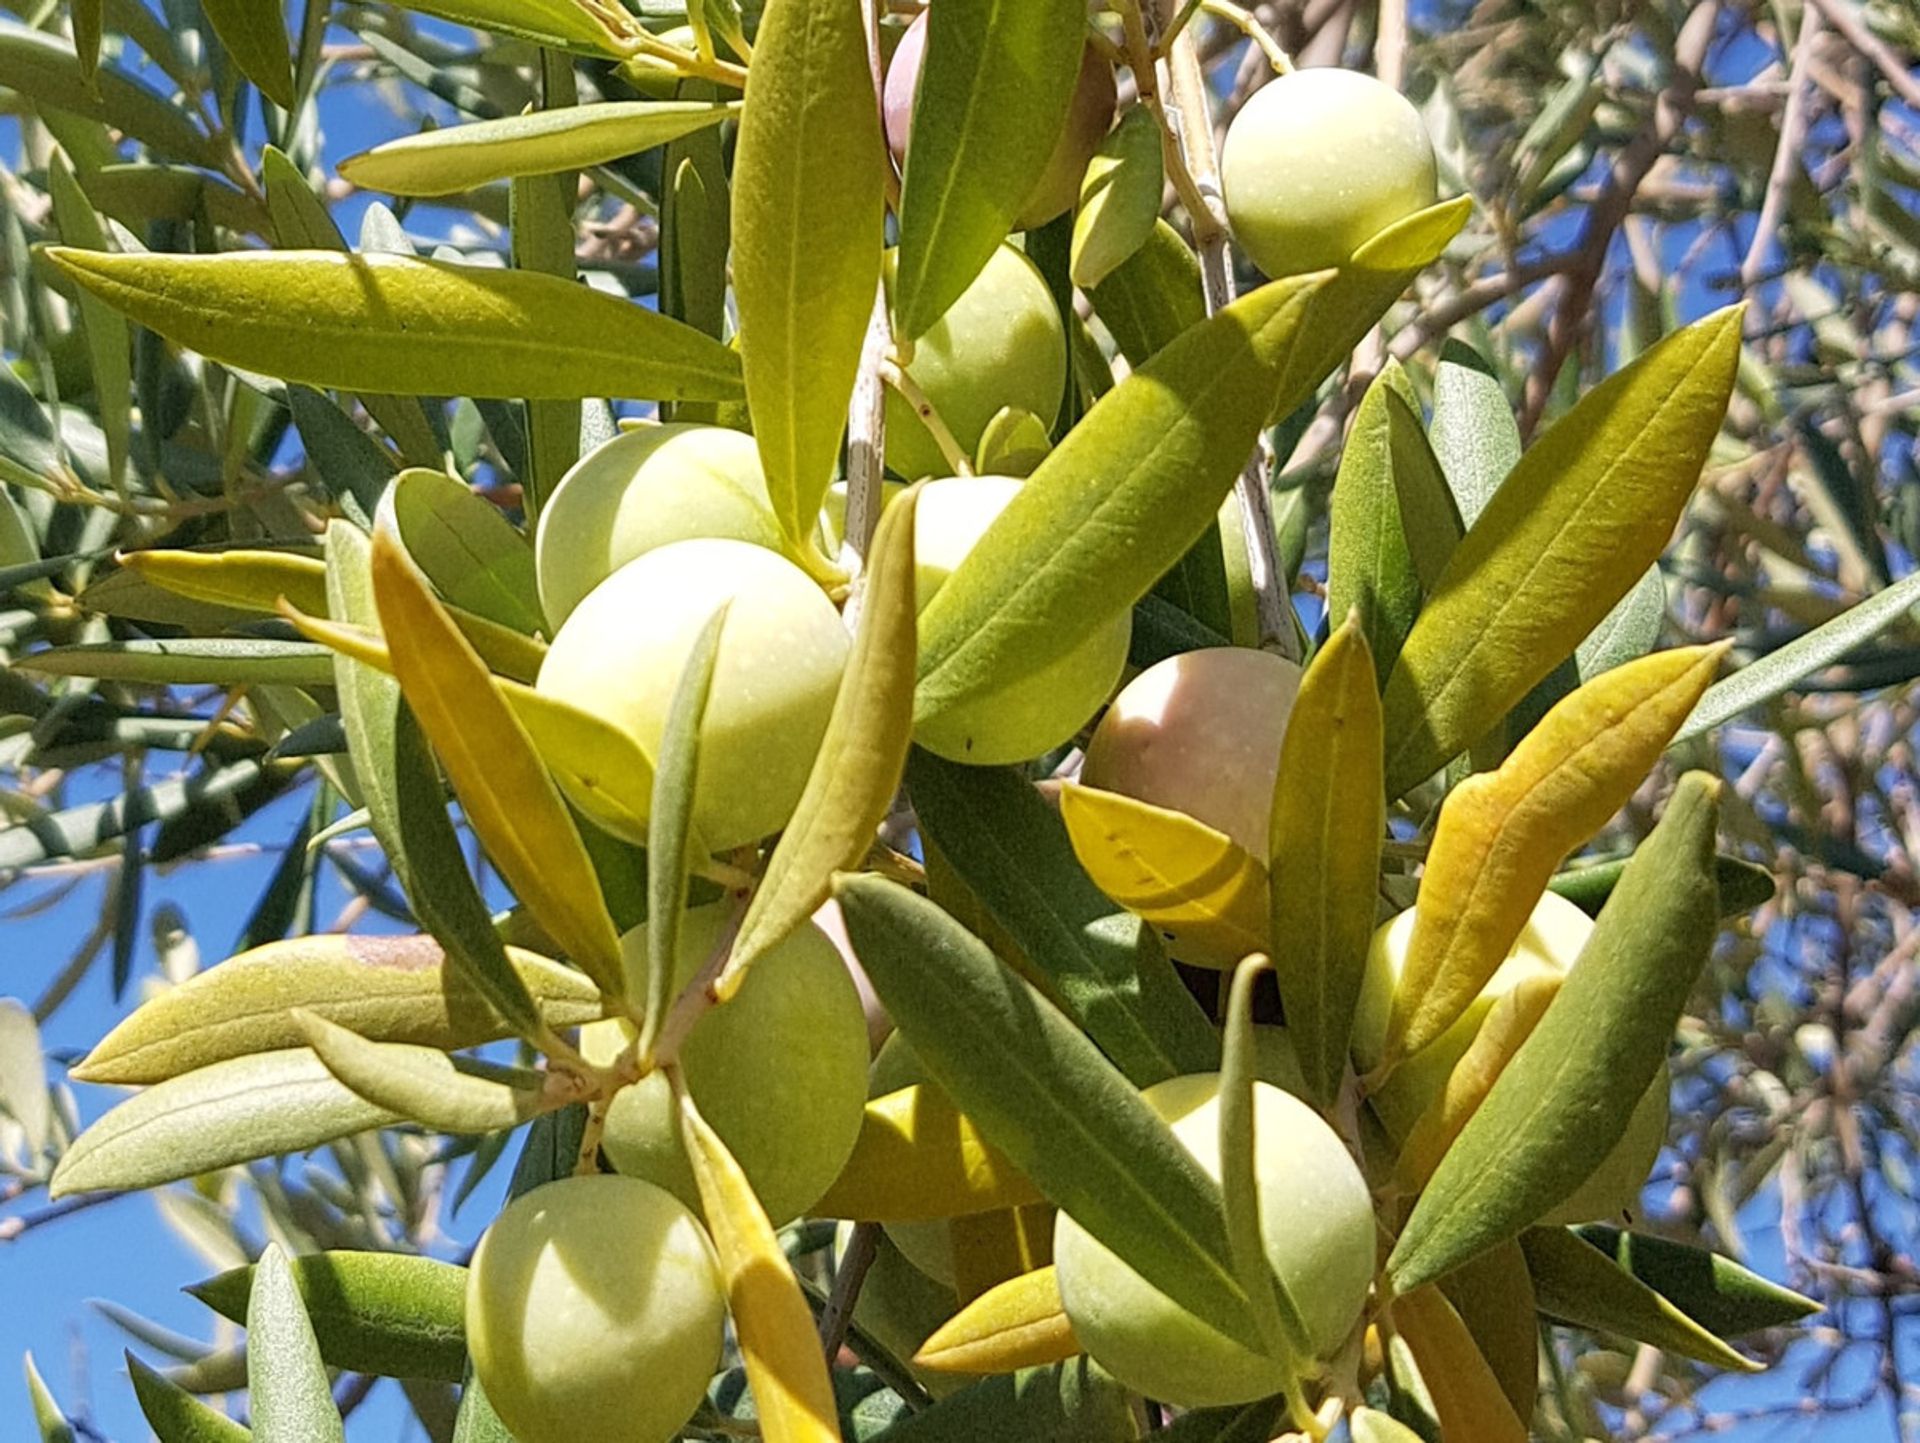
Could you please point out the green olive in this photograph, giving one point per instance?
(595, 1310)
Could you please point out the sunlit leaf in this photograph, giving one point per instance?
(287, 1387)
(919, 1157)
(1119, 199)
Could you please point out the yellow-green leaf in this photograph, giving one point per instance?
(1501, 834)
(1329, 819)
(791, 1390)
(462, 157)
(231, 1112)
(996, 80)
(1020, 1323)
(109, 340)
(288, 1392)
(1276, 1314)
(1119, 198)
(476, 559)
(595, 756)
(247, 580)
(1568, 1096)
(510, 800)
(423, 1084)
(391, 989)
(407, 326)
(1466, 1396)
(857, 772)
(1370, 564)
(46, 71)
(1574, 526)
(1494, 1297)
(254, 34)
(918, 1157)
(1581, 1286)
(809, 182)
(565, 24)
(1177, 873)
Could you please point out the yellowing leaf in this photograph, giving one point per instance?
(231, 1112)
(791, 1390)
(240, 578)
(406, 326)
(1568, 1096)
(1576, 524)
(858, 768)
(1466, 1395)
(1329, 819)
(392, 989)
(1020, 1324)
(919, 1157)
(1501, 834)
(1179, 874)
(1494, 1297)
(510, 800)
(810, 192)
(461, 157)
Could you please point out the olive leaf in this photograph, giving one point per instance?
(1715, 1292)
(287, 1388)
(1020, 1323)
(918, 1158)
(1501, 834)
(1568, 1095)
(1040, 1091)
(1370, 564)
(861, 757)
(808, 176)
(564, 24)
(406, 326)
(243, 578)
(390, 989)
(1474, 435)
(1329, 819)
(190, 661)
(1152, 296)
(476, 559)
(47, 72)
(50, 1422)
(253, 33)
(422, 1083)
(109, 341)
(996, 80)
(175, 1415)
(460, 157)
(1119, 198)
(1067, 1402)
(1579, 520)
(1467, 1398)
(1494, 1297)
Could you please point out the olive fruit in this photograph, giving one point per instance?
(1001, 344)
(1030, 714)
(779, 1071)
(644, 488)
(1089, 116)
(782, 649)
(595, 1309)
(1316, 1226)
(1200, 733)
(1319, 162)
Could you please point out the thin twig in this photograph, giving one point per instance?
(1793, 134)
(1846, 20)
(851, 1272)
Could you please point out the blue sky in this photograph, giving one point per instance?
(122, 1250)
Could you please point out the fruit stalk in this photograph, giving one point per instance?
(1194, 164)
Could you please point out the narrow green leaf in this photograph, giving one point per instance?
(1779, 671)
(1151, 461)
(564, 24)
(390, 1314)
(1106, 968)
(422, 1083)
(509, 798)
(254, 34)
(232, 1112)
(1370, 566)
(175, 1415)
(49, 1421)
(406, 326)
(1429, 518)
(1475, 436)
(1119, 199)
(1329, 819)
(810, 181)
(1568, 1094)
(1070, 1402)
(671, 842)
(996, 79)
(190, 661)
(476, 559)
(462, 157)
(696, 225)
(287, 1387)
(1576, 524)
(86, 16)
(47, 72)
(1716, 1292)
(1152, 296)
(109, 341)
(1276, 1316)
(1629, 631)
(1742, 885)
(391, 989)
(1041, 1092)
(540, 220)
(1581, 1286)
(857, 772)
